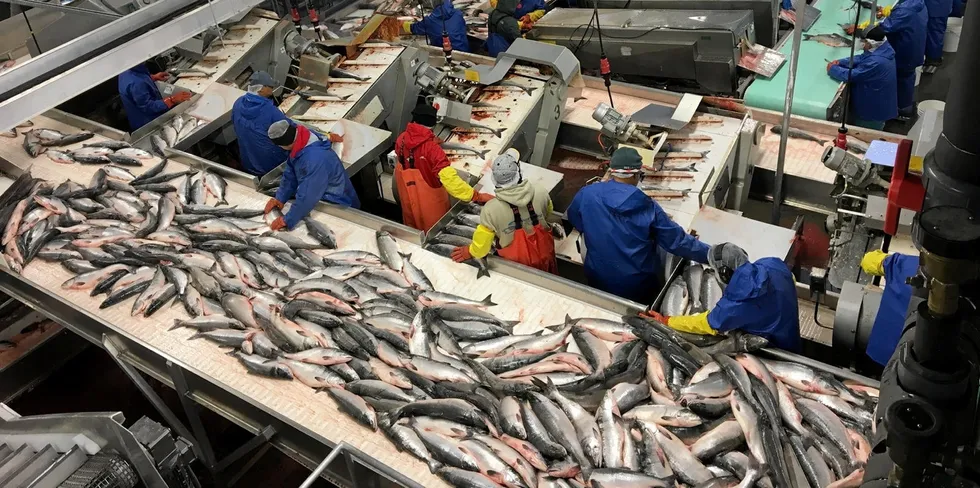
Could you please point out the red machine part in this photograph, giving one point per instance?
(905, 190)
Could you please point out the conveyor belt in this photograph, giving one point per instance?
(815, 90)
(291, 402)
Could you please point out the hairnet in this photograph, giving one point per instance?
(282, 133)
(506, 170)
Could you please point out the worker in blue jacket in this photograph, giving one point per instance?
(532, 9)
(313, 172)
(890, 321)
(252, 114)
(444, 18)
(905, 28)
(939, 11)
(140, 97)
(874, 89)
(504, 26)
(623, 227)
(760, 298)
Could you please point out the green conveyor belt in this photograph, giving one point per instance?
(815, 89)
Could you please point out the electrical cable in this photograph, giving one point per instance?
(605, 70)
(841, 140)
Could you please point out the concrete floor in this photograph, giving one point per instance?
(931, 87)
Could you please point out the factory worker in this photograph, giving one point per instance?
(890, 321)
(519, 217)
(504, 26)
(252, 115)
(140, 97)
(623, 228)
(423, 176)
(905, 28)
(760, 298)
(313, 173)
(939, 11)
(874, 90)
(444, 17)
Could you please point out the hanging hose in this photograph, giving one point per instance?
(604, 68)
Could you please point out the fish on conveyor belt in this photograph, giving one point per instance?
(677, 300)
(588, 401)
(832, 40)
(797, 133)
(456, 146)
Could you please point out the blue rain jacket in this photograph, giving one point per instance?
(787, 5)
(525, 7)
(140, 97)
(874, 89)
(252, 115)
(497, 44)
(444, 15)
(890, 321)
(761, 299)
(935, 37)
(622, 228)
(906, 32)
(314, 173)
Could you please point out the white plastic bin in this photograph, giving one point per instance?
(952, 40)
(926, 105)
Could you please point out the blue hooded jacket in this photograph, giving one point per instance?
(314, 173)
(874, 87)
(140, 97)
(761, 299)
(906, 32)
(444, 15)
(890, 321)
(252, 115)
(622, 228)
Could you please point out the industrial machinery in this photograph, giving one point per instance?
(91, 450)
(926, 417)
(694, 49)
(765, 13)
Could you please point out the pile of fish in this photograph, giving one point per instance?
(587, 402)
(459, 233)
(179, 128)
(695, 290)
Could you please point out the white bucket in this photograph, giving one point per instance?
(926, 105)
(952, 39)
(918, 74)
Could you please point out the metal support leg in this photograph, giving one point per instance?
(168, 415)
(323, 465)
(204, 450)
(249, 464)
(256, 442)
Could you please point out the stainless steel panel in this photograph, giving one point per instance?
(35, 466)
(60, 470)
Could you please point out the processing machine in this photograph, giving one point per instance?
(765, 13)
(926, 417)
(694, 49)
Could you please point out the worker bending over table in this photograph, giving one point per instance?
(252, 114)
(890, 321)
(423, 176)
(874, 90)
(313, 172)
(519, 218)
(140, 97)
(905, 28)
(623, 227)
(443, 18)
(760, 298)
(506, 25)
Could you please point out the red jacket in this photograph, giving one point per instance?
(419, 143)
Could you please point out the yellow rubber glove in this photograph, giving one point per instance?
(864, 25)
(482, 241)
(886, 11)
(493, 3)
(455, 185)
(873, 263)
(536, 15)
(407, 26)
(692, 324)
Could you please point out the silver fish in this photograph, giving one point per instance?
(685, 465)
(711, 290)
(693, 276)
(217, 186)
(135, 153)
(169, 135)
(677, 300)
(159, 145)
(608, 419)
(750, 422)
(388, 249)
(456, 146)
